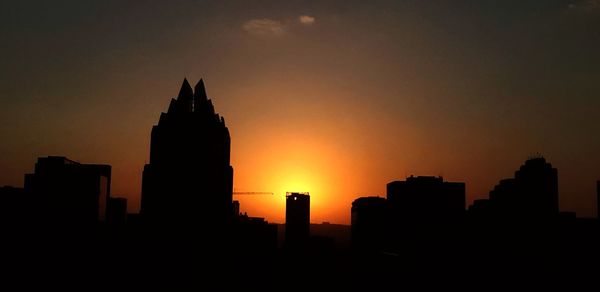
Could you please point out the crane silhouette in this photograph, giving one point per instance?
(252, 193)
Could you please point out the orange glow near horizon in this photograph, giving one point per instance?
(402, 97)
(292, 165)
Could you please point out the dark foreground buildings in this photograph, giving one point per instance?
(189, 180)
(417, 212)
(517, 235)
(419, 234)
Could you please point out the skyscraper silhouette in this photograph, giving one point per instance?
(189, 180)
(297, 220)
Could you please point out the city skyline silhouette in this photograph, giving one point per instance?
(463, 90)
(190, 228)
(299, 145)
(186, 101)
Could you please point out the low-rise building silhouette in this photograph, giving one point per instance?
(259, 237)
(66, 192)
(369, 218)
(426, 199)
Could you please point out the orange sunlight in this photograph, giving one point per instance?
(289, 166)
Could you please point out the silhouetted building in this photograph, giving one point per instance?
(117, 211)
(66, 192)
(11, 191)
(297, 219)
(537, 183)
(598, 199)
(340, 233)
(258, 237)
(189, 180)
(13, 206)
(481, 209)
(368, 222)
(532, 193)
(425, 216)
(426, 198)
(236, 208)
(503, 195)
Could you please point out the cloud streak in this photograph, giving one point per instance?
(264, 26)
(587, 5)
(273, 27)
(306, 19)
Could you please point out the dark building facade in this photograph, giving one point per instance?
(532, 193)
(13, 206)
(66, 192)
(598, 199)
(236, 209)
(189, 179)
(426, 198)
(421, 217)
(116, 213)
(481, 209)
(297, 219)
(258, 236)
(368, 223)
(536, 184)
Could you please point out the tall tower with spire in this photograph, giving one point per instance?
(189, 180)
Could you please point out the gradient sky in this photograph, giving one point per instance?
(336, 98)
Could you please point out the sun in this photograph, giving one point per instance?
(293, 165)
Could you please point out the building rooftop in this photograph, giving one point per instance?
(296, 194)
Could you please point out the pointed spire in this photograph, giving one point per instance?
(211, 108)
(186, 96)
(200, 91)
(186, 90)
(199, 96)
(172, 106)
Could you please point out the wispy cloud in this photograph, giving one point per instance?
(264, 26)
(306, 19)
(587, 5)
(273, 27)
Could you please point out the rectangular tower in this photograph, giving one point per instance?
(297, 219)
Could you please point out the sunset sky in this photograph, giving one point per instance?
(335, 98)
